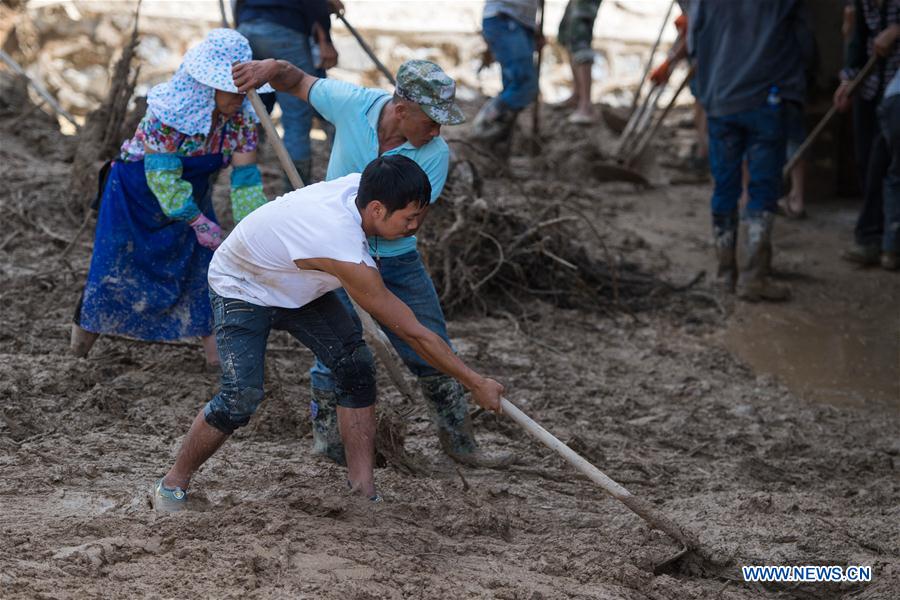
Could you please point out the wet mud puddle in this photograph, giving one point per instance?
(832, 357)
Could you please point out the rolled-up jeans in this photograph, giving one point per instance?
(325, 326)
(405, 276)
(270, 40)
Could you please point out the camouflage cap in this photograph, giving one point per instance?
(424, 83)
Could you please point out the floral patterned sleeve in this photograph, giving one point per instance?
(247, 134)
(153, 134)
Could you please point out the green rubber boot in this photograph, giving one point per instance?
(326, 435)
(446, 400)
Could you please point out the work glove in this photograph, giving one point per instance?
(660, 74)
(209, 235)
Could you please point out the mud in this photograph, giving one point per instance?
(763, 469)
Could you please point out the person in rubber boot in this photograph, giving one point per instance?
(280, 269)
(370, 123)
(510, 29)
(749, 63)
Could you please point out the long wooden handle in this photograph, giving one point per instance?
(39, 88)
(641, 508)
(662, 29)
(277, 145)
(647, 135)
(536, 109)
(639, 120)
(820, 126)
(368, 50)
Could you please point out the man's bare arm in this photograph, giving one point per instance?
(364, 284)
(280, 74)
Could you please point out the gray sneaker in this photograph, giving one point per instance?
(168, 500)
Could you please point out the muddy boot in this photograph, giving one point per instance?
(493, 127)
(725, 240)
(82, 341)
(326, 435)
(754, 283)
(890, 261)
(449, 410)
(866, 256)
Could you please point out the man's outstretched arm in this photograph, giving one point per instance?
(280, 74)
(364, 284)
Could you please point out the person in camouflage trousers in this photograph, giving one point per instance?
(576, 32)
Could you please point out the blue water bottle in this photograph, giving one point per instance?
(774, 97)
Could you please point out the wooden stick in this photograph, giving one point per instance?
(648, 134)
(40, 89)
(225, 22)
(379, 340)
(662, 29)
(827, 118)
(536, 113)
(367, 49)
(641, 508)
(277, 145)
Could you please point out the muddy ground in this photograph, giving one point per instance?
(775, 466)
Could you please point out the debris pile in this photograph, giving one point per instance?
(492, 257)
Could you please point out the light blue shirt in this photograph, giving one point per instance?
(354, 112)
(893, 87)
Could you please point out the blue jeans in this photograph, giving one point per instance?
(760, 135)
(242, 330)
(270, 40)
(405, 276)
(890, 127)
(513, 46)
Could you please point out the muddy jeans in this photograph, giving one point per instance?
(324, 326)
(889, 114)
(760, 136)
(513, 46)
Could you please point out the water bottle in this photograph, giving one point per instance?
(774, 97)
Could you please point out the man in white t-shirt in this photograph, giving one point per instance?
(278, 270)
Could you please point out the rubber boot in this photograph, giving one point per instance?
(493, 127)
(304, 168)
(865, 256)
(449, 411)
(725, 241)
(754, 283)
(326, 435)
(81, 341)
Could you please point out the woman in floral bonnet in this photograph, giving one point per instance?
(156, 230)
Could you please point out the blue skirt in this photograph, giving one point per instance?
(147, 278)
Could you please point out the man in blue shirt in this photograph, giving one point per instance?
(370, 123)
(749, 61)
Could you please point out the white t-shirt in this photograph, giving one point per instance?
(255, 263)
